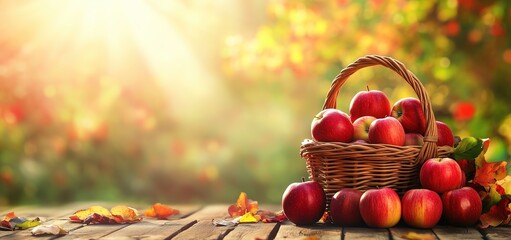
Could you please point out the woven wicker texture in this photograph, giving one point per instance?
(337, 165)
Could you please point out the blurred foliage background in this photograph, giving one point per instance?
(194, 101)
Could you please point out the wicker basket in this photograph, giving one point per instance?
(337, 165)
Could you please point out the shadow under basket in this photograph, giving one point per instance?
(363, 166)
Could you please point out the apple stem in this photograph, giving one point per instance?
(367, 86)
(303, 179)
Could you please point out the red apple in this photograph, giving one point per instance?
(361, 127)
(463, 179)
(332, 125)
(380, 208)
(344, 207)
(445, 136)
(440, 175)
(304, 203)
(462, 207)
(414, 139)
(422, 208)
(408, 111)
(387, 130)
(369, 103)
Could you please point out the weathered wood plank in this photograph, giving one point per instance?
(365, 233)
(6, 233)
(154, 226)
(497, 233)
(26, 234)
(399, 232)
(93, 231)
(448, 233)
(204, 229)
(323, 231)
(251, 231)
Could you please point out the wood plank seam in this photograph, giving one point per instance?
(274, 231)
(227, 231)
(434, 234)
(182, 229)
(390, 234)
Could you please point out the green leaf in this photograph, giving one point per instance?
(28, 224)
(468, 149)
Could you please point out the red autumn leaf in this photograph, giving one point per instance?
(96, 218)
(272, 217)
(9, 216)
(243, 205)
(489, 173)
(498, 214)
(325, 218)
(6, 223)
(160, 211)
(500, 189)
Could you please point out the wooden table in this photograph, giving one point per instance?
(195, 222)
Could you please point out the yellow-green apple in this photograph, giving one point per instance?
(408, 111)
(332, 125)
(304, 203)
(422, 208)
(380, 208)
(387, 130)
(414, 139)
(440, 174)
(462, 207)
(361, 127)
(369, 103)
(344, 207)
(445, 136)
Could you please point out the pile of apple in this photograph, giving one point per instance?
(443, 194)
(372, 120)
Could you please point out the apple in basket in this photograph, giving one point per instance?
(408, 111)
(380, 208)
(441, 175)
(387, 130)
(462, 207)
(422, 208)
(414, 139)
(369, 103)
(332, 125)
(344, 207)
(445, 136)
(361, 128)
(304, 203)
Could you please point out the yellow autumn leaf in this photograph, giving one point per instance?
(127, 214)
(84, 213)
(505, 183)
(250, 218)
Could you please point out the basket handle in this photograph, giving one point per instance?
(429, 149)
